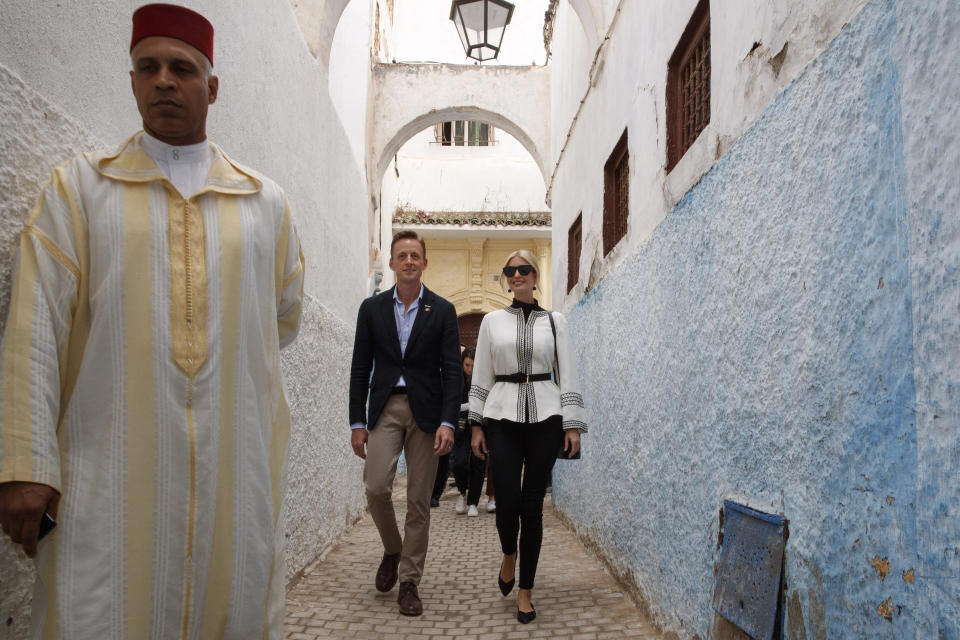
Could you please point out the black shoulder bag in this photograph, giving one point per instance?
(561, 454)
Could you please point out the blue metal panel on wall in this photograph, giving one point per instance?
(748, 576)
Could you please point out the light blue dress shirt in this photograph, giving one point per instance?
(405, 320)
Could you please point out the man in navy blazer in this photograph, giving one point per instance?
(408, 337)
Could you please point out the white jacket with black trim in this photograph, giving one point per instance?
(506, 345)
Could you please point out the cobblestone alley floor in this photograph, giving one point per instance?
(575, 598)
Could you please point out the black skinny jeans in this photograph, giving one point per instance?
(468, 469)
(443, 472)
(522, 456)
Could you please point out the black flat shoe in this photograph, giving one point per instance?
(505, 587)
(526, 617)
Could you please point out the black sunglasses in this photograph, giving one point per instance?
(524, 269)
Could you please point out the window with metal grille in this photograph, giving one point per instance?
(616, 195)
(574, 246)
(459, 133)
(688, 85)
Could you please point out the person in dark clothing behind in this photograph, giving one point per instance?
(468, 469)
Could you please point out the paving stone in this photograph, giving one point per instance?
(575, 598)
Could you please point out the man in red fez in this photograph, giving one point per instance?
(172, 76)
(144, 425)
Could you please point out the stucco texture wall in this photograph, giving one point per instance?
(35, 131)
(324, 492)
(64, 89)
(788, 338)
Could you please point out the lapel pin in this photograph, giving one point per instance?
(426, 308)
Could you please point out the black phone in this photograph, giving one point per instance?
(564, 453)
(47, 523)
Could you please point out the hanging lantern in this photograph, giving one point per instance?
(481, 24)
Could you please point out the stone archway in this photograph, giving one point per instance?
(585, 11)
(318, 21)
(409, 98)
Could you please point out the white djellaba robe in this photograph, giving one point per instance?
(140, 377)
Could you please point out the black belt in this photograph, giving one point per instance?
(398, 391)
(523, 378)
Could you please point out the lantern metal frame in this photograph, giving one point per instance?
(476, 50)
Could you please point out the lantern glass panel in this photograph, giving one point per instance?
(472, 16)
(484, 53)
(495, 35)
(463, 36)
(497, 17)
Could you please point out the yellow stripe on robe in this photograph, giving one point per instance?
(141, 436)
(217, 604)
(16, 461)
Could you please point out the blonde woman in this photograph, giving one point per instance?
(526, 414)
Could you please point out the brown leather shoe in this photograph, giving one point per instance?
(387, 572)
(409, 600)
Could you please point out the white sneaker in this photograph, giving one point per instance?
(472, 511)
(461, 505)
(491, 505)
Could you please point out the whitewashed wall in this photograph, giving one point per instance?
(780, 325)
(572, 58)
(627, 88)
(64, 88)
(349, 73)
(497, 178)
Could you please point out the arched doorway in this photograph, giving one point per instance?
(469, 325)
(407, 99)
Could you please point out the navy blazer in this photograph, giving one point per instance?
(430, 367)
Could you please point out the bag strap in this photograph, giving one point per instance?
(556, 360)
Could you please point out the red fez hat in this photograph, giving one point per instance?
(173, 22)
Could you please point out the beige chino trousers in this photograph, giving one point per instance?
(394, 432)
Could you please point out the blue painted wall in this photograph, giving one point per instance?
(789, 337)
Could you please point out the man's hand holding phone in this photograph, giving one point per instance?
(27, 511)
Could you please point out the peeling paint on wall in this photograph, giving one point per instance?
(885, 609)
(776, 61)
(795, 627)
(882, 567)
